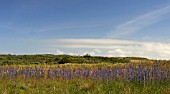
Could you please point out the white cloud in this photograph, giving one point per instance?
(94, 52)
(139, 22)
(89, 52)
(97, 50)
(59, 52)
(111, 47)
(119, 52)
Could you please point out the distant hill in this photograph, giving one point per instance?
(61, 59)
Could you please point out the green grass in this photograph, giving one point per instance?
(79, 86)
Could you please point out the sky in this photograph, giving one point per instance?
(137, 28)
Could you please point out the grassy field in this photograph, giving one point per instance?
(80, 86)
(102, 78)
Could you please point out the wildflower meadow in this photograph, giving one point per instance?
(101, 78)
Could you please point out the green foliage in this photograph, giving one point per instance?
(79, 86)
(64, 60)
(55, 59)
(61, 59)
(87, 56)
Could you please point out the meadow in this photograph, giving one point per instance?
(98, 78)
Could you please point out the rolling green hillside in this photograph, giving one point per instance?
(61, 59)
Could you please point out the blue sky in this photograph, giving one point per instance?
(76, 27)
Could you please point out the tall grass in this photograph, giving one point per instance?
(80, 86)
(104, 78)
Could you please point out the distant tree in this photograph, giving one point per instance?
(64, 60)
(87, 55)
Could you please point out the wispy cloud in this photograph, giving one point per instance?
(45, 27)
(139, 22)
(59, 52)
(111, 47)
